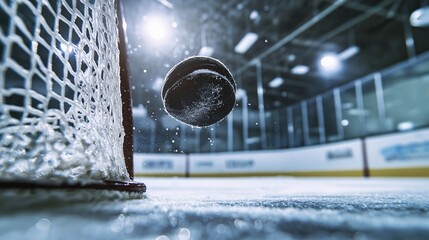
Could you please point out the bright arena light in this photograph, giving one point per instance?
(403, 126)
(330, 62)
(420, 17)
(157, 27)
(300, 70)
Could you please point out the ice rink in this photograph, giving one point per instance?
(229, 208)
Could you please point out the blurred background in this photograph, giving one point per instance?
(342, 84)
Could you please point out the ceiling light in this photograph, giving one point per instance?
(156, 27)
(276, 82)
(254, 14)
(206, 51)
(246, 42)
(300, 70)
(420, 17)
(291, 57)
(345, 122)
(403, 126)
(330, 62)
(348, 53)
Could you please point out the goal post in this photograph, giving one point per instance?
(65, 100)
(127, 115)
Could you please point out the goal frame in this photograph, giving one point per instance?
(127, 123)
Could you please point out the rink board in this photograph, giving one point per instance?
(331, 159)
(163, 165)
(399, 154)
(338, 159)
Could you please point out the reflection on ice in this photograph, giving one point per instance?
(184, 234)
(43, 224)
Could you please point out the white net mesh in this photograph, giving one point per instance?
(60, 102)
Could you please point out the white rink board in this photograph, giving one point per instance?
(171, 164)
(408, 149)
(330, 157)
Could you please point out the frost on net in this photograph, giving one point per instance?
(60, 105)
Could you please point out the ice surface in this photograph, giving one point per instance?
(231, 208)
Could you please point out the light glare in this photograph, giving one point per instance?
(330, 62)
(348, 53)
(420, 17)
(403, 126)
(246, 42)
(276, 82)
(300, 70)
(156, 27)
(124, 24)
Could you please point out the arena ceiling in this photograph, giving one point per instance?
(290, 33)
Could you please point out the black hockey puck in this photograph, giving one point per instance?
(199, 91)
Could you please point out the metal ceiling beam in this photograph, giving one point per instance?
(347, 25)
(334, 6)
(309, 43)
(383, 13)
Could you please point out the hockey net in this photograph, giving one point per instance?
(60, 100)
